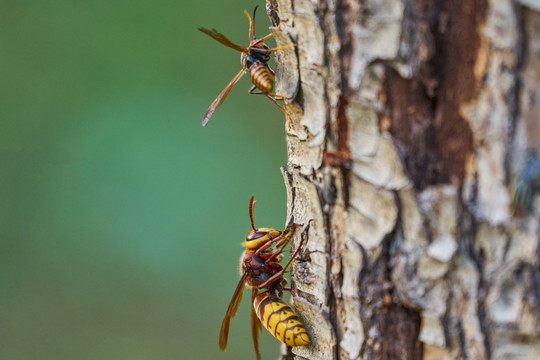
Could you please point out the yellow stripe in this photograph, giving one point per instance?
(261, 77)
(281, 321)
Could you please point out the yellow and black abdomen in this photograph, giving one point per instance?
(280, 320)
(261, 77)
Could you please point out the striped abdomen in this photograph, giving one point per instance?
(278, 318)
(261, 77)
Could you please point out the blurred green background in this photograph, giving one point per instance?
(121, 217)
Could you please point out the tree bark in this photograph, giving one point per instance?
(413, 163)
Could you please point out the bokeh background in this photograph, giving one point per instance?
(121, 218)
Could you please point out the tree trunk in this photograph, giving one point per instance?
(413, 165)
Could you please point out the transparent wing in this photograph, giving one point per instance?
(214, 34)
(231, 311)
(221, 97)
(255, 324)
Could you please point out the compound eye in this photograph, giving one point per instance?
(256, 234)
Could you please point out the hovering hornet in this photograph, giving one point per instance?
(254, 60)
(261, 270)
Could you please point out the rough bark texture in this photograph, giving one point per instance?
(414, 167)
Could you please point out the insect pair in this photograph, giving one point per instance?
(260, 262)
(262, 272)
(254, 59)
